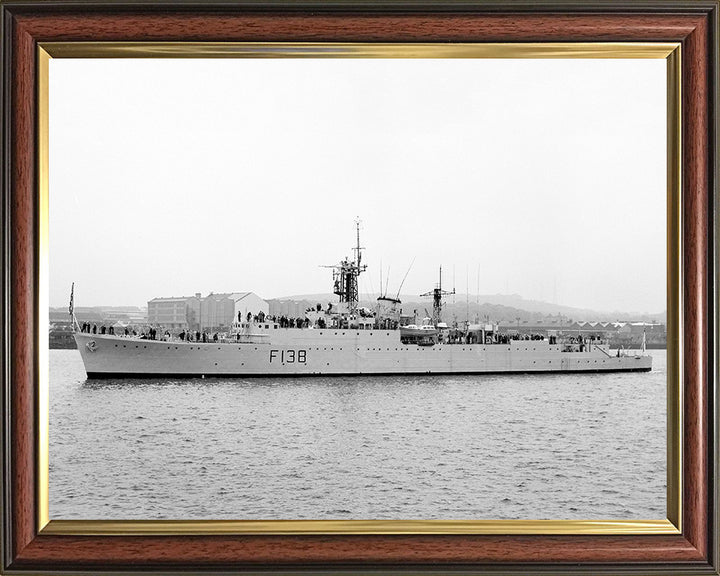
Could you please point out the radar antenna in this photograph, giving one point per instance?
(437, 294)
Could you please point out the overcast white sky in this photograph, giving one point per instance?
(170, 177)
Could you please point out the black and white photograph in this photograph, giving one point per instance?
(358, 288)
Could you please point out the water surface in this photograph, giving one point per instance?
(567, 446)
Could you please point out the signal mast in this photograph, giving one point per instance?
(345, 276)
(437, 294)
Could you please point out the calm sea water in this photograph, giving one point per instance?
(426, 447)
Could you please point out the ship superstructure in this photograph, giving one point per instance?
(347, 339)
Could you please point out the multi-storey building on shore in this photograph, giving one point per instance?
(216, 311)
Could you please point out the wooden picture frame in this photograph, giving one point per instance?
(30, 547)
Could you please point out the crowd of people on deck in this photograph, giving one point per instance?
(453, 336)
(282, 321)
(150, 333)
(285, 322)
(93, 329)
(197, 336)
(506, 338)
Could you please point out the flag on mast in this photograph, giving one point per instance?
(71, 308)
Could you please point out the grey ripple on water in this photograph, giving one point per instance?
(566, 446)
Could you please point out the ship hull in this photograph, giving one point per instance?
(296, 352)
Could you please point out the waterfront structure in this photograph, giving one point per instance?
(290, 308)
(554, 324)
(346, 339)
(219, 311)
(171, 313)
(245, 303)
(633, 334)
(100, 315)
(216, 311)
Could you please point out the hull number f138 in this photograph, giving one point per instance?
(288, 356)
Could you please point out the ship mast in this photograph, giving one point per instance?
(346, 273)
(437, 293)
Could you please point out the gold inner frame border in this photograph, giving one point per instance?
(671, 52)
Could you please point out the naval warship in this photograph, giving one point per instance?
(347, 339)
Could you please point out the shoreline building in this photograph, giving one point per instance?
(245, 303)
(216, 311)
(292, 308)
(175, 312)
(219, 311)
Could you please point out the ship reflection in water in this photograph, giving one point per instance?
(395, 447)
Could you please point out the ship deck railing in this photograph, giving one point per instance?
(240, 337)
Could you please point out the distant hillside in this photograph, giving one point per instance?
(494, 307)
